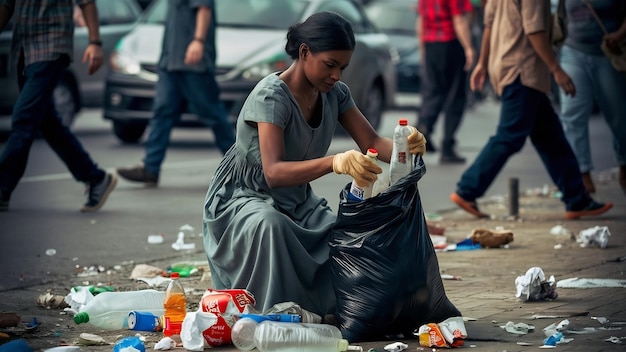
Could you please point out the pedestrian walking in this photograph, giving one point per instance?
(596, 80)
(517, 53)
(42, 45)
(264, 228)
(443, 29)
(186, 74)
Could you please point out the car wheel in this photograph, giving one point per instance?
(65, 102)
(374, 105)
(129, 131)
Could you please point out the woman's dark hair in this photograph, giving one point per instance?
(322, 31)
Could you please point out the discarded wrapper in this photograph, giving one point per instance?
(449, 333)
(226, 305)
(594, 236)
(534, 286)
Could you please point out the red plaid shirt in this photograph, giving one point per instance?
(437, 16)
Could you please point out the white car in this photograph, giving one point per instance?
(250, 36)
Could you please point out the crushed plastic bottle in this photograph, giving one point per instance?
(109, 310)
(247, 334)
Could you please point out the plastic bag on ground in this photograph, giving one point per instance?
(385, 270)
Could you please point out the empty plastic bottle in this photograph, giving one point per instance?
(275, 336)
(359, 193)
(109, 310)
(175, 305)
(401, 158)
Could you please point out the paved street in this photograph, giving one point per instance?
(44, 215)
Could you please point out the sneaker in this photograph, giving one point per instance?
(98, 193)
(592, 209)
(469, 207)
(451, 158)
(138, 173)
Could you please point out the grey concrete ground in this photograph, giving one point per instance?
(44, 216)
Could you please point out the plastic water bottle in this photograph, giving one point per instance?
(274, 336)
(401, 158)
(175, 305)
(358, 193)
(109, 310)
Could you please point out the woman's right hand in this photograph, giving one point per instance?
(357, 165)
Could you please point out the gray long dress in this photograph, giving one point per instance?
(273, 242)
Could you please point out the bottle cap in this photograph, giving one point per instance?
(372, 152)
(403, 122)
(174, 275)
(81, 317)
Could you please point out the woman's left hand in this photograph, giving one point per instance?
(417, 142)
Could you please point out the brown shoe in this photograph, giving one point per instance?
(138, 173)
(469, 207)
(588, 182)
(592, 209)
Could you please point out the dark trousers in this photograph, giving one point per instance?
(34, 112)
(175, 91)
(526, 112)
(443, 89)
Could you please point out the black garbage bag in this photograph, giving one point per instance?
(385, 270)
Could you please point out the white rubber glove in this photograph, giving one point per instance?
(357, 165)
(417, 142)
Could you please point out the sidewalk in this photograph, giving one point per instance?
(485, 294)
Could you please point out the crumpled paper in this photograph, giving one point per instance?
(396, 347)
(166, 343)
(534, 286)
(78, 297)
(594, 236)
(193, 326)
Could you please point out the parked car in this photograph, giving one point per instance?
(397, 19)
(250, 36)
(77, 88)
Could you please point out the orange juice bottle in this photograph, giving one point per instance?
(175, 305)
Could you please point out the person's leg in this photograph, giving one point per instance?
(611, 89)
(575, 110)
(37, 82)
(64, 142)
(203, 95)
(457, 97)
(168, 106)
(434, 89)
(559, 160)
(513, 128)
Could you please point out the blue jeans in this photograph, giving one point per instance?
(34, 112)
(526, 112)
(175, 91)
(595, 79)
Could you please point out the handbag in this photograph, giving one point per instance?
(616, 55)
(559, 26)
